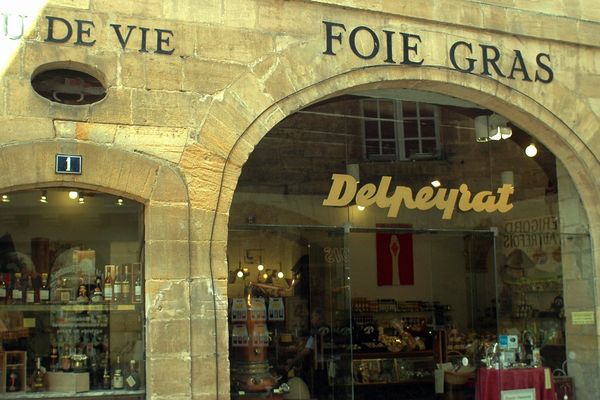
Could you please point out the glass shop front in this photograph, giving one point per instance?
(71, 295)
(401, 244)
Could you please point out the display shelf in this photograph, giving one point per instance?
(13, 361)
(96, 394)
(70, 307)
(387, 355)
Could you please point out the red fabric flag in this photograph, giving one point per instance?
(394, 256)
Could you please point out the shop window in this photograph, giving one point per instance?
(400, 130)
(71, 295)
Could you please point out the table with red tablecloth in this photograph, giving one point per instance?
(491, 381)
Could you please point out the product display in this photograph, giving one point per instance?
(62, 329)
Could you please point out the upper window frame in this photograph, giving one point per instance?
(400, 138)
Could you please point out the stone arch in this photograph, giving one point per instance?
(542, 123)
(162, 189)
(524, 110)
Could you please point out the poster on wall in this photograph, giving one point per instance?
(394, 251)
(532, 249)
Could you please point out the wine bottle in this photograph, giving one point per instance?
(3, 289)
(117, 379)
(117, 286)
(108, 285)
(29, 291)
(126, 286)
(97, 292)
(38, 377)
(44, 290)
(137, 290)
(17, 291)
(132, 379)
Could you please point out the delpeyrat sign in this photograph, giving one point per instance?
(344, 190)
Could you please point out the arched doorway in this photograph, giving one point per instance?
(498, 265)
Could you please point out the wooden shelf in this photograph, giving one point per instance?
(387, 355)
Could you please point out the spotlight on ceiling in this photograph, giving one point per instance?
(5, 198)
(44, 197)
(73, 195)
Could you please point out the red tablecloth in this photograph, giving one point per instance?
(491, 381)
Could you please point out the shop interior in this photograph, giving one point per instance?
(71, 295)
(418, 306)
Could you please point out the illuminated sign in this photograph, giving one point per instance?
(344, 190)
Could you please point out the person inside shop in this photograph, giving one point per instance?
(305, 363)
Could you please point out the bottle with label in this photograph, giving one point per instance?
(3, 289)
(97, 296)
(17, 291)
(29, 291)
(65, 359)
(108, 284)
(126, 286)
(82, 295)
(137, 290)
(106, 382)
(38, 377)
(117, 286)
(63, 292)
(132, 379)
(117, 379)
(44, 290)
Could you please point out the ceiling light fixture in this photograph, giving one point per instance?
(73, 195)
(5, 198)
(81, 199)
(531, 150)
(360, 208)
(120, 201)
(436, 183)
(44, 197)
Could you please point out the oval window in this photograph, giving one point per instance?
(68, 86)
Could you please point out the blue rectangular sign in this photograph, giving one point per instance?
(68, 164)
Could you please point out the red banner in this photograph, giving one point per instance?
(394, 256)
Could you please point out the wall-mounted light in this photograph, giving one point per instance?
(5, 198)
(120, 201)
(531, 150)
(280, 274)
(73, 195)
(44, 197)
(493, 127)
(436, 183)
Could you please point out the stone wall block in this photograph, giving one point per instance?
(167, 222)
(168, 376)
(167, 299)
(162, 108)
(202, 293)
(169, 336)
(23, 101)
(200, 255)
(114, 109)
(243, 46)
(167, 259)
(579, 294)
(209, 77)
(163, 72)
(133, 70)
(170, 186)
(205, 337)
(160, 141)
(36, 129)
(200, 11)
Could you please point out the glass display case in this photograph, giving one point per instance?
(71, 296)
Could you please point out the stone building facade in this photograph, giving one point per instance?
(193, 87)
